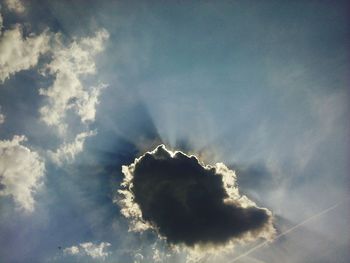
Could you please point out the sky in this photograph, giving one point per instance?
(260, 88)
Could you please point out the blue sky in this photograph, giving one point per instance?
(86, 87)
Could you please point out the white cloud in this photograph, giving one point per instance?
(15, 6)
(86, 106)
(67, 151)
(21, 171)
(73, 250)
(2, 117)
(18, 52)
(69, 64)
(96, 251)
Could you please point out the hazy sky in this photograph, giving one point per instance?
(88, 86)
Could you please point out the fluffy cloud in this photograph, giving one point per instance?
(15, 6)
(73, 250)
(67, 151)
(19, 52)
(95, 251)
(67, 92)
(68, 65)
(189, 203)
(21, 171)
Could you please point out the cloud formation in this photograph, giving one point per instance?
(21, 168)
(19, 52)
(189, 203)
(2, 116)
(67, 92)
(67, 151)
(15, 6)
(21, 171)
(95, 251)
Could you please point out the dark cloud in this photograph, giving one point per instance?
(2, 186)
(188, 203)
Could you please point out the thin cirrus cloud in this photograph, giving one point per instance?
(67, 151)
(188, 203)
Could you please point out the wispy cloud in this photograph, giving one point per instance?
(93, 250)
(68, 65)
(66, 152)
